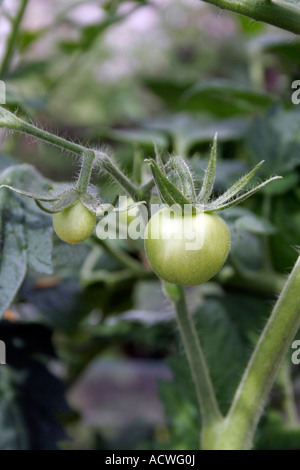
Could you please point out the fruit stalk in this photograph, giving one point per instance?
(210, 412)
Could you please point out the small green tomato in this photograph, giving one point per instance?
(74, 224)
(186, 250)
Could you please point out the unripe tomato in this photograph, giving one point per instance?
(186, 250)
(74, 224)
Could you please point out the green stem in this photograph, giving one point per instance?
(10, 46)
(289, 402)
(85, 172)
(240, 424)
(112, 169)
(210, 413)
(10, 121)
(263, 10)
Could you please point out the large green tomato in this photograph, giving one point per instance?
(186, 250)
(74, 224)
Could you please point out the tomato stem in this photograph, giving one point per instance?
(240, 424)
(263, 10)
(209, 409)
(85, 172)
(11, 121)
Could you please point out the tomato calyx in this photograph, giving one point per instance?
(185, 195)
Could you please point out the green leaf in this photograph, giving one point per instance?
(225, 361)
(254, 224)
(275, 137)
(167, 90)
(25, 232)
(142, 137)
(225, 98)
(273, 434)
(13, 434)
(187, 131)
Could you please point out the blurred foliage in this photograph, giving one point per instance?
(126, 74)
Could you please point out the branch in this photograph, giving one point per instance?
(263, 10)
(240, 424)
(11, 121)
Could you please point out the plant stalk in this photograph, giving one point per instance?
(263, 10)
(240, 424)
(10, 121)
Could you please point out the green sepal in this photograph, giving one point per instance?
(169, 194)
(237, 187)
(214, 207)
(210, 175)
(179, 165)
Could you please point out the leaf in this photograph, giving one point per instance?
(223, 348)
(25, 232)
(180, 403)
(187, 131)
(143, 137)
(224, 98)
(246, 248)
(13, 435)
(273, 434)
(167, 90)
(286, 217)
(274, 137)
(254, 224)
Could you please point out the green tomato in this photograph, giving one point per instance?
(74, 224)
(186, 250)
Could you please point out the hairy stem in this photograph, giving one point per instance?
(10, 121)
(210, 413)
(263, 10)
(85, 172)
(240, 424)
